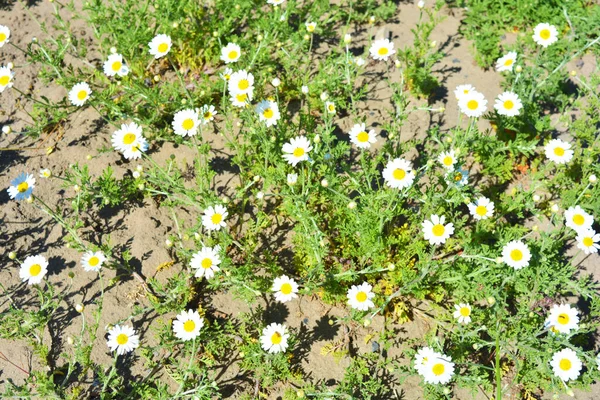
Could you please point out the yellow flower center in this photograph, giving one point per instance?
(472, 105)
(93, 261)
(481, 211)
(362, 137)
(516, 255)
(438, 369)
(383, 51)
(286, 288)
(232, 55)
(35, 269)
(361, 297)
(2, 37)
(268, 113)
(310, 28)
(4, 80)
(559, 151)
(122, 339)
(563, 319)
(399, 174)
(588, 241)
(187, 124)
(82, 95)
(189, 325)
(298, 152)
(331, 108)
(545, 34)
(578, 219)
(206, 263)
(207, 115)
(438, 230)
(276, 338)
(163, 47)
(129, 138)
(508, 104)
(216, 218)
(508, 62)
(565, 364)
(116, 66)
(243, 84)
(465, 311)
(22, 187)
(447, 161)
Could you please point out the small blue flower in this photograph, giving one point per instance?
(21, 187)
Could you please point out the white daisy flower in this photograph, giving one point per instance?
(296, 150)
(115, 65)
(4, 35)
(292, 179)
(361, 297)
(6, 78)
(21, 187)
(516, 254)
(33, 269)
(275, 2)
(462, 313)
(285, 289)
(360, 61)
(240, 82)
(330, 107)
(187, 325)
(123, 339)
(483, 208)
(436, 231)
(447, 159)
(587, 240)
(214, 217)
(129, 141)
(208, 113)
(160, 46)
(472, 104)
(226, 74)
(459, 177)
(274, 338)
(186, 122)
(92, 261)
(439, 369)
(423, 357)
(562, 318)
(566, 365)
(362, 138)
(382, 49)
(45, 173)
(506, 62)
(508, 104)
(79, 94)
(310, 26)
(463, 90)
(398, 174)
(241, 99)
(545, 34)
(559, 151)
(268, 111)
(576, 218)
(206, 262)
(231, 53)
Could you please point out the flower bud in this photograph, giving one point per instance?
(70, 340)
(12, 255)
(347, 38)
(260, 195)
(324, 183)
(113, 50)
(554, 208)
(324, 96)
(276, 82)
(317, 139)
(168, 243)
(300, 394)
(175, 25)
(518, 68)
(29, 199)
(536, 198)
(367, 322)
(592, 179)
(304, 89)
(491, 300)
(352, 205)
(6, 129)
(79, 307)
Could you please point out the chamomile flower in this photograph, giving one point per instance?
(231, 53)
(292, 179)
(45, 173)
(436, 231)
(382, 49)
(160, 46)
(226, 74)
(558, 151)
(463, 90)
(285, 289)
(508, 104)
(208, 113)
(187, 325)
(206, 262)
(123, 339)
(362, 138)
(483, 208)
(462, 313)
(214, 217)
(33, 269)
(472, 104)
(439, 369)
(576, 218)
(79, 94)
(562, 318)
(587, 240)
(241, 99)
(6, 78)
(330, 107)
(240, 82)
(423, 357)
(275, 2)
(398, 174)
(545, 34)
(310, 26)
(516, 254)
(566, 365)
(447, 159)
(4, 35)
(21, 187)
(186, 122)
(92, 261)
(296, 150)
(129, 141)
(268, 112)
(115, 65)
(274, 338)
(506, 62)
(458, 177)
(361, 297)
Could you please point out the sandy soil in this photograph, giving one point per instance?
(144, 228)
